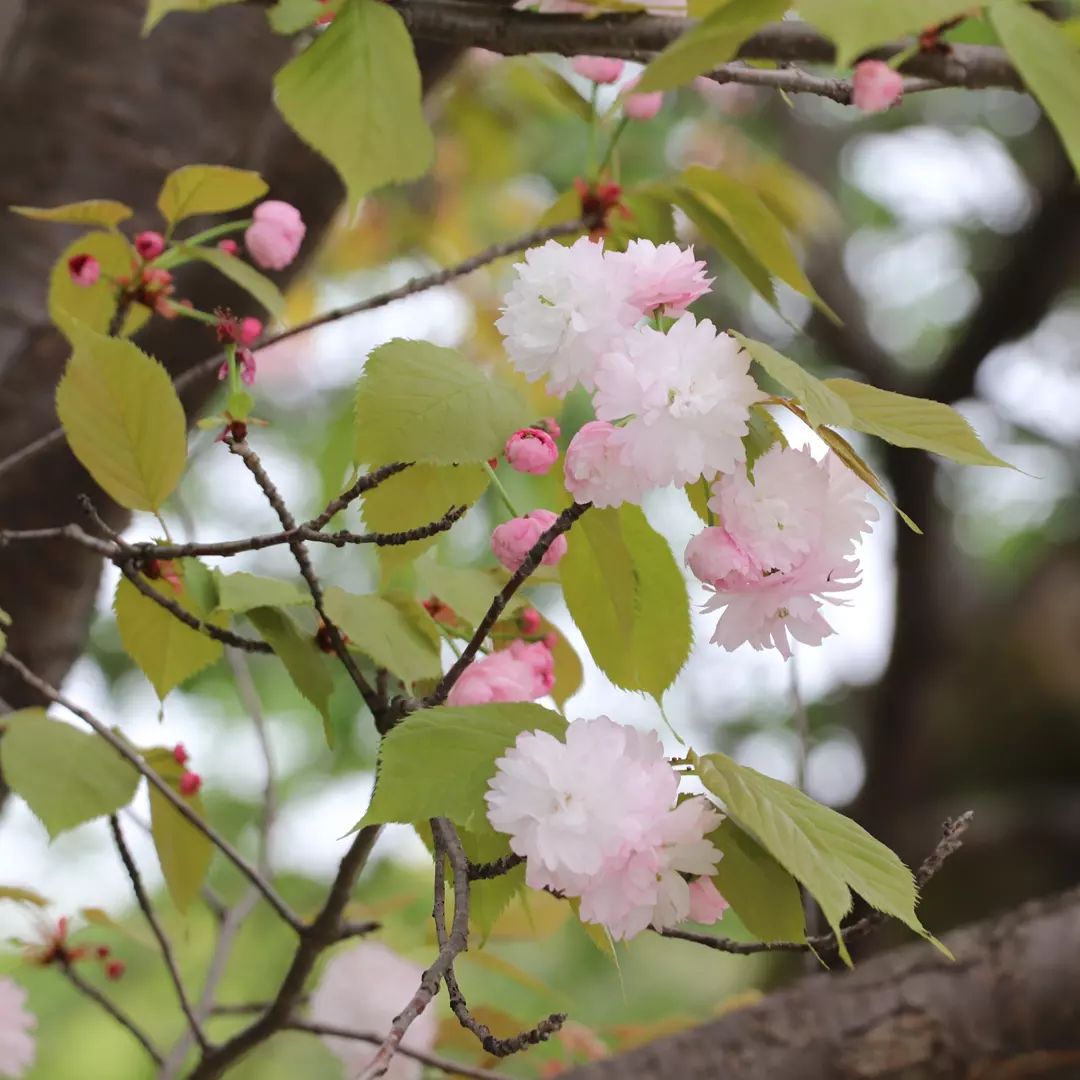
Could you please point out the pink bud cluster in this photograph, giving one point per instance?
(596, 816)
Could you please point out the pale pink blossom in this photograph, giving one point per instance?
(593, 470)
(17, 1046)
(149, 244)
(84, 269)
(275, 234)
(522, 672)
(731, 99)
(531, 450)
(688, 392)
(875, 86)
(641, 106)
(567, 307)
(714, 558)
(571, 805)
(362, 988)
(514, 539)
(599, 69)
(707, 903)
(665, 276)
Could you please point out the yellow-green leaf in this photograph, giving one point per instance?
(123, 419)
(1049, 62)
(93, 305)
(240, 273)
(22, 896)
(207, 189)
(66, 776)
(912, 422)
(291, 16)
(241, 592)
(108, 213)
(354, 96)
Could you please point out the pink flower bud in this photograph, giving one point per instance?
(514, 539)
(707, 905)
(550, 425)
(84, 270)
(230, 247)
(149, 244)
(274, 236)
(250, 330)
(600, 69)
(180, 754)
(641, 106)
(190, 782)
(531, 450)
(529, 621)
(713, 557)
(523, 672)
(875, 86)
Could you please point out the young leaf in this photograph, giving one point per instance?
(912, 422)
(354, 96)
(207, 189)
(66, 776)
(241, 592)
(166, 651)
(123, 419)
(183, 851)
(699, 492)
(467, 590)
(764, 433)
(240, 273)
(107, 213)
(628, 597)
(1049, 62)
(712, 42)
(93, 305)
(22, 896)
(822, 403)
(437, 762)
(419, 402)
(384, 631)
(761, 892)
(855, 25)
(825, 851)
(292, 16)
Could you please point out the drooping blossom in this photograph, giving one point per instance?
(363, 988)
(531, 450)
(514, 539)
(523, 672)
(274, 236)
(875, 86)
(567, 307)
(707, 903)
(599, 69)
(17, 1046)
(593, 470)
(689, 393)
(84, 270)
(641, 106)
(149, 244)
(665, 276)
(245, 362)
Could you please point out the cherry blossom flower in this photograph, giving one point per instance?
(689, 394)
(514, 539)
(707, 904)
(531, 450)
(566, 308)
(363, 988)
(274, 236)
(599, 69)
(593, 470)
(17, 1047)
(522, 672)
(713, 558)
(665, 276)
(875, 86)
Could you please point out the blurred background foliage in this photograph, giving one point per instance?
(940, 232)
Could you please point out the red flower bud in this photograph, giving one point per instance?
(84, 270)
(190, 782)
(230, 247)
(149, 244)
(115, 969)
(180, 754)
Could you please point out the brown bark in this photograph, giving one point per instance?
(1009, 1007)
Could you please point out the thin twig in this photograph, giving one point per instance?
(170, 796)
(494, 869)
(364, 483)
(125, 1021)
(155, 927)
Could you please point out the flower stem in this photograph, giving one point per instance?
(174, 256)
(590, 158)
(620, 127)
(502, 492)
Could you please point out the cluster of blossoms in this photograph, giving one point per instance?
(597, 817)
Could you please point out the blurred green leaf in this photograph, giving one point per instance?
(292, 16)
(241, 592)
(108, 213)
(22, 896)
(207, 189)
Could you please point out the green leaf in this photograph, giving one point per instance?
(306, 664)
(437, 762)
(167, 652)
(183, 851)
(761, 892)
(822, 403)
(912, 422)
(384, 631)
(5, 620)
(239, 273)
(712, 42)
(241, 592)
(628, 597)
(123, 419)
(66, 776)
(291, 16)
(416, 497)
(489, 898)
(825, 851)
(699, 492)
(207, 189)
(108, 213)
(855, 25)
(22, 896)
(93, 305)
(419, 402)
(354, 96)
(764, 433)
(467, 590)
(1049, 62)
